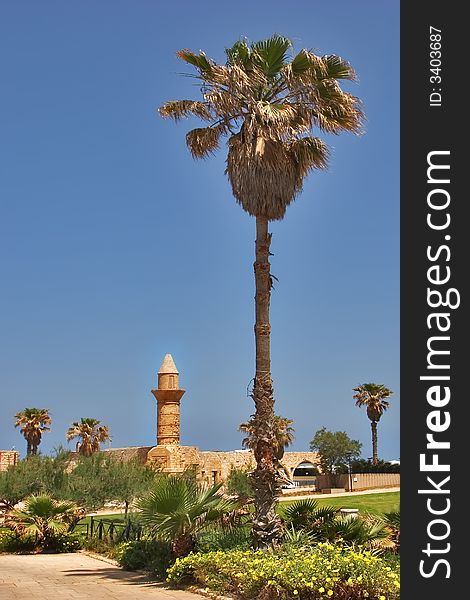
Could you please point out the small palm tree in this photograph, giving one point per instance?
(91, 433)
(373, 396)
(43, 518)
(33, 422)
(266, 101)
(283, 434)
(306, 514)
(392, 521)
(323, 524)
(178, 508)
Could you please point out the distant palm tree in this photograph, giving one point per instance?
(33, 422)
(43, 518)
(372, 395)
(267, 101)
(91, 433)
(177, 508)
(283, 435)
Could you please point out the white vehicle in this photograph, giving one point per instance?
(289, 486)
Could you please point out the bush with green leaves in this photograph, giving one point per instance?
(147, 554)
(322, 524)
(90, 481)
(239, 484)
(224, 539)
(13, 543)
(318, 573)
(362, 465)
(34, 475)
(101, 478)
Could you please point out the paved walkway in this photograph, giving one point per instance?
(75, 577)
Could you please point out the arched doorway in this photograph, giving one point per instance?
(305, 474)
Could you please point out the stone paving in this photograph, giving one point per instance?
(75, 577)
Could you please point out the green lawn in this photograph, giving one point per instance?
(366, 503)
(371, 503)
(116, 518)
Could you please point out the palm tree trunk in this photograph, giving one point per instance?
(266, 524)
(375, 457)
(181, 546)
(28, 448)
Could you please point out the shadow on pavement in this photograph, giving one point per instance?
(115, 573)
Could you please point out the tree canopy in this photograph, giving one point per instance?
(335, 448)
(266, 100)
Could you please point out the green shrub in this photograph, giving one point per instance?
(69, 542)
(222, 539)
(239, 484)
(150, 555)
(11, 541)
(14, 543)
(322, 572)
(99, 546)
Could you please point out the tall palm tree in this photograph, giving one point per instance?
(372, 395)
(267, 101)
(33, 422)
(91, 433)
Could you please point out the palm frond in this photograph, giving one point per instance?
(263, 175)
(270, 55)
(199, 61)
(338, 68)
(178, 109)
(240, 54)
(301, 62)
(310, 153)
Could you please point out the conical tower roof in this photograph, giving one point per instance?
(168, 366)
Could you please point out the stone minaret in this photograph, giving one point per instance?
(168, 395)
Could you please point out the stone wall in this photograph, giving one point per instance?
(215, 466)
(130, 453)
(210, 465)
(125, 454)
(7, 458)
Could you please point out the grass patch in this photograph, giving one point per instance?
(117, 518)
(376, 504)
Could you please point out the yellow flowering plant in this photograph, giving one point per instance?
(321, 572)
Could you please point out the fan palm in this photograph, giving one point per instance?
(283, 434)
(373, 396)
(178, 508)
(306, 514)
(392, 521)
(267, 101)
(43, 518)
(91, 433)
(33, 422)
(323, 524)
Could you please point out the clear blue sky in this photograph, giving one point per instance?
(117, 247)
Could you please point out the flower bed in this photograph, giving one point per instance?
(322, 572)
